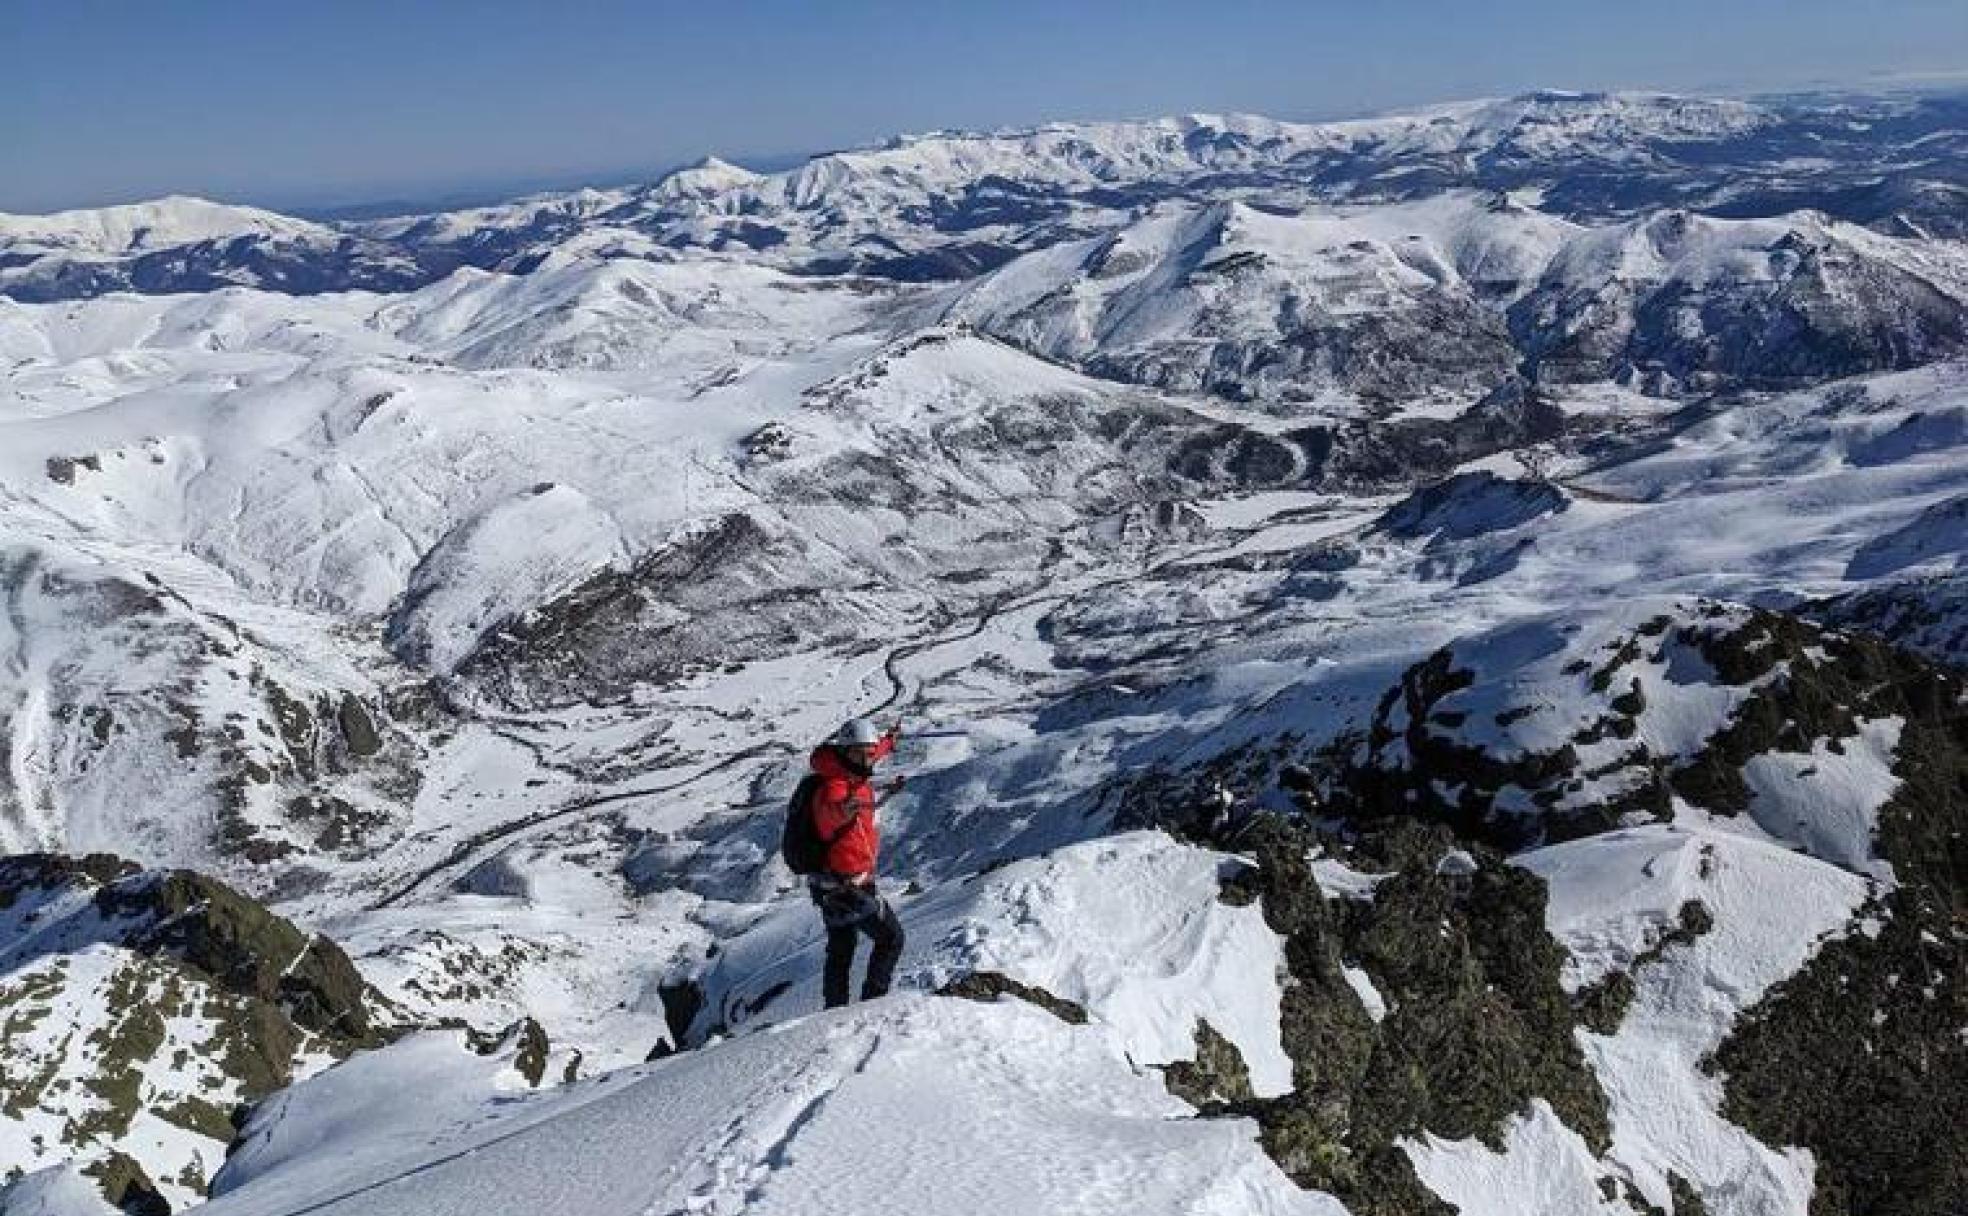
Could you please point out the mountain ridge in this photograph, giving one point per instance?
(942, 205)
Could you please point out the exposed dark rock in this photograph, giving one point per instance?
(1237, 885)
(1417, 761)
(1434, 762)
(62, 468)
(1602, 1006)
(526, 1039)
(1217, 1075)
(127, 1188)
(683, 1000)
(992, 985)
(244, 948)
(188, 949)
(359, 732)
(1687, 1200)
(25, 874)
(1873, 1022)
(1471, 504)
(337, 824)
(1830, 682)
(1478, 1025)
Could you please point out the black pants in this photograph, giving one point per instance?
(849, 912)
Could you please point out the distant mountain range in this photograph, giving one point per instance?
(943, 206)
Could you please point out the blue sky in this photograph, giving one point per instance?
(292, 104)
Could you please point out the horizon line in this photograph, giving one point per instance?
(494, 190)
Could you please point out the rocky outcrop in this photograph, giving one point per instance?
(994, 985)
(1539, 733)
(1475, 1022)
(128, 995)
(1843, 746)
(1873, 1022)
(127, 1188)
(524, 1042)
(1469, 505)
(245, 949)
(1217, 1076)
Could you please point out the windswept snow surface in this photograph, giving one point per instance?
(177, 220)
(59, 1190)
(1611, 898)
(1545, 1169)
(914, 1104)
(1129, 927)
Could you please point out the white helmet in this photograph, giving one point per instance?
(857, 733)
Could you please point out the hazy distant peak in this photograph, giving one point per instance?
(155, 224)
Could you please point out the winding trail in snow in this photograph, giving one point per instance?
(469, 850)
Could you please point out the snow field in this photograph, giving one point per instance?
(1128, 926)
(1611, 898)
(906, 1105)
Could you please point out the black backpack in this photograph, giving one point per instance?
(801, 844)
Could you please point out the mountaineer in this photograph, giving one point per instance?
(832, 838)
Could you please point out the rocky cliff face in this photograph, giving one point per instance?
(1558, 749)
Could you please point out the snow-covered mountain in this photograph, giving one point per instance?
(947, 205)
(189, 244)
(1432, 301)
(1436, 641)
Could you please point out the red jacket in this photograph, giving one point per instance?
(846, 795)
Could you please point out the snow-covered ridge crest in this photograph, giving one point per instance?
(157, 224)
(1158, 147)
(945, 205)
(706, 177)
(1458, 293)
(1081, 155)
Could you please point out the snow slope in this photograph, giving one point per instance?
(1081, 923)
(910, 1104)
(177, 220)
(1771, 907)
